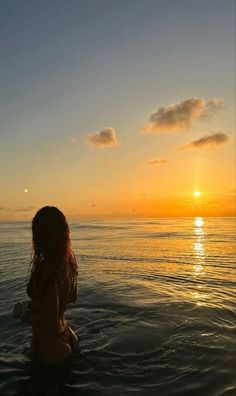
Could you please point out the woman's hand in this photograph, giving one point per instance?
(20, 311)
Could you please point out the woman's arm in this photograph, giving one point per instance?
(43, 312)
(74, 283)
(73, 291)
(73, 286)
(22, 311)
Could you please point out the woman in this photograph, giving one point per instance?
(51, 286)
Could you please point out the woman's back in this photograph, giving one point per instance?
(50, 297)
(51, 286)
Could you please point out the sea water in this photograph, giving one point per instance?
(155, 313)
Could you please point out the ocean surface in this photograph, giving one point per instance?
(155, 313)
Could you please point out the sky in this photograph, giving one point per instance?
(120, 109)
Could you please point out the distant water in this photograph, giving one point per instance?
(156, 311)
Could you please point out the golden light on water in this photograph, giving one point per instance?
(198, 245)
(199, 261)
(198, 222)
(198, 268)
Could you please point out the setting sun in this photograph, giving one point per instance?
(156, 150)
(118, 195)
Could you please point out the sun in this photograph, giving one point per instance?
(196, 193)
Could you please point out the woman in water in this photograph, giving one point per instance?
(51, 286)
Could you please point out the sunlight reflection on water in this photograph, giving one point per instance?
(199, 246)
(198, 222)
(198, 268)
(156, 300)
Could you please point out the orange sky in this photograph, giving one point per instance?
(118, 113)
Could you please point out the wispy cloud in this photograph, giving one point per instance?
(206, 142)
(24, 209)
(3, 208)
(157, 161)
(103, 139)
(18, 208)
(181, 116)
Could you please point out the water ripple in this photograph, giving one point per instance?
(156, 311)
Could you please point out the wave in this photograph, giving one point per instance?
(155, 313)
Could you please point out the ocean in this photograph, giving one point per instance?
(155, 313)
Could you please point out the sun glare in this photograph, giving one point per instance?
(198, 222)
(197, 194)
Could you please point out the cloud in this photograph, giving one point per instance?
(103, 139)
(157, 161)
(18, 209)
(24, 209)
(206, 142)
(212, 106)
(181, 116)
(3, 208)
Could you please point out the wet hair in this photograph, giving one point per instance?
(53, 259)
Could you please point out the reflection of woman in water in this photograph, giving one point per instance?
(52, 285)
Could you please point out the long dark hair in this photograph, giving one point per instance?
(53, 258)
